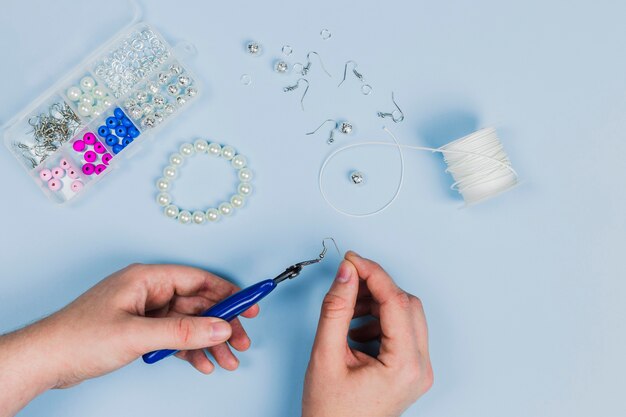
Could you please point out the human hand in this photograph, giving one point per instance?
(134, 311)
(341, 381)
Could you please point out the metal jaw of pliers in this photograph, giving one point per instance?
(294, 270)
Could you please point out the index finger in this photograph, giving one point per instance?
(399, 337)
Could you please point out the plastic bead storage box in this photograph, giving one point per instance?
(71, 136)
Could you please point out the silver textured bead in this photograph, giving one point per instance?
(153, 88)
(158, 100)
(148, 122)
(180, 100)
(191, 92)
(176, 69)
(345, 128)
(135, 112)
(281, 67)
(169, 108)
(142, 97)
(357, 177)
(254, 48)
(184, 80)
(163, 77)
(173, 89)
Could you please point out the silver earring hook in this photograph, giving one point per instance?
(331, 137)
(325, 249)
(357, 74)
(396, 119)
(306, 69)
(296, 85)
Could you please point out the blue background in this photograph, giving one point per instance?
(524, 294)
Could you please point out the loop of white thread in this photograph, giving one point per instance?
(474, 161)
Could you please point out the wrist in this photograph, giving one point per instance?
(24, 371)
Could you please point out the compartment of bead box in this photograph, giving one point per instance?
(84, 121)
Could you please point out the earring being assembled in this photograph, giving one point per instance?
(295, 86)
(366, 89)
(343, 127)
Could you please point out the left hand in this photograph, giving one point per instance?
(134, 311)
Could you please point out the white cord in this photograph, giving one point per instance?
(477, 162)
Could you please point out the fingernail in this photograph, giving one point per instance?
(220, 331)
(343, 274)
(353, 253)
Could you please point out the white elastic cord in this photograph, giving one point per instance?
(453, 166)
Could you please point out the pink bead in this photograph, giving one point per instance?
(72, 173)
(55, 184)
(106, 158)
(99, 147)
(45, 174)
(79, 145)
(88, 169)
(100, 168)
(89, 138)
(76, 186)
(90, 156)
(58, 172)
(65, 164)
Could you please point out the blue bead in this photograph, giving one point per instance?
(126, 122)
(118, 113)
(117, 148)
(120, 131)
(112, 140)
(133, 132)
(104, 131)
(127, 141)
(112, 122)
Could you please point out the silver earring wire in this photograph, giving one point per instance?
(356, 73)
(295, 86)
(396, 119)
(331, 137)
(325, 249)
(307, 67)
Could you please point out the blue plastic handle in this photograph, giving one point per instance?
(226, 309)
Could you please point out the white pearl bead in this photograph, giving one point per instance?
(99, 92)
(228, 152)
(87, 100)
(74, 93)
(97, 110)
(163, 184)
(171, 211)
(226, 209)
(176, 159)
(84, 110)
(198, 217)
(201, 145)
(170, 172)
(244, 189)
(245, 175)
(106, 102)
(87, 83)
(214, 149)
(184, 217)
(239, 161)
(237, 201)
(164, 199)
(212, 215)
(186, 149)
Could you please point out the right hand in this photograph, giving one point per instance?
(345, 382)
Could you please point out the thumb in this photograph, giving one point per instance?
(182, 333)
(331, 341)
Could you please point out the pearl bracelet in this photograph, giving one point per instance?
(200, 146)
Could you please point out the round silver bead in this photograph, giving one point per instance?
(184, 80)
(173, 89)
(254, 48)
(345, 128)
(281, 67)
(357, 177)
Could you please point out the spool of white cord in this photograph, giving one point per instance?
(478, 163)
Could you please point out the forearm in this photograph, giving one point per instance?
(24, 372)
